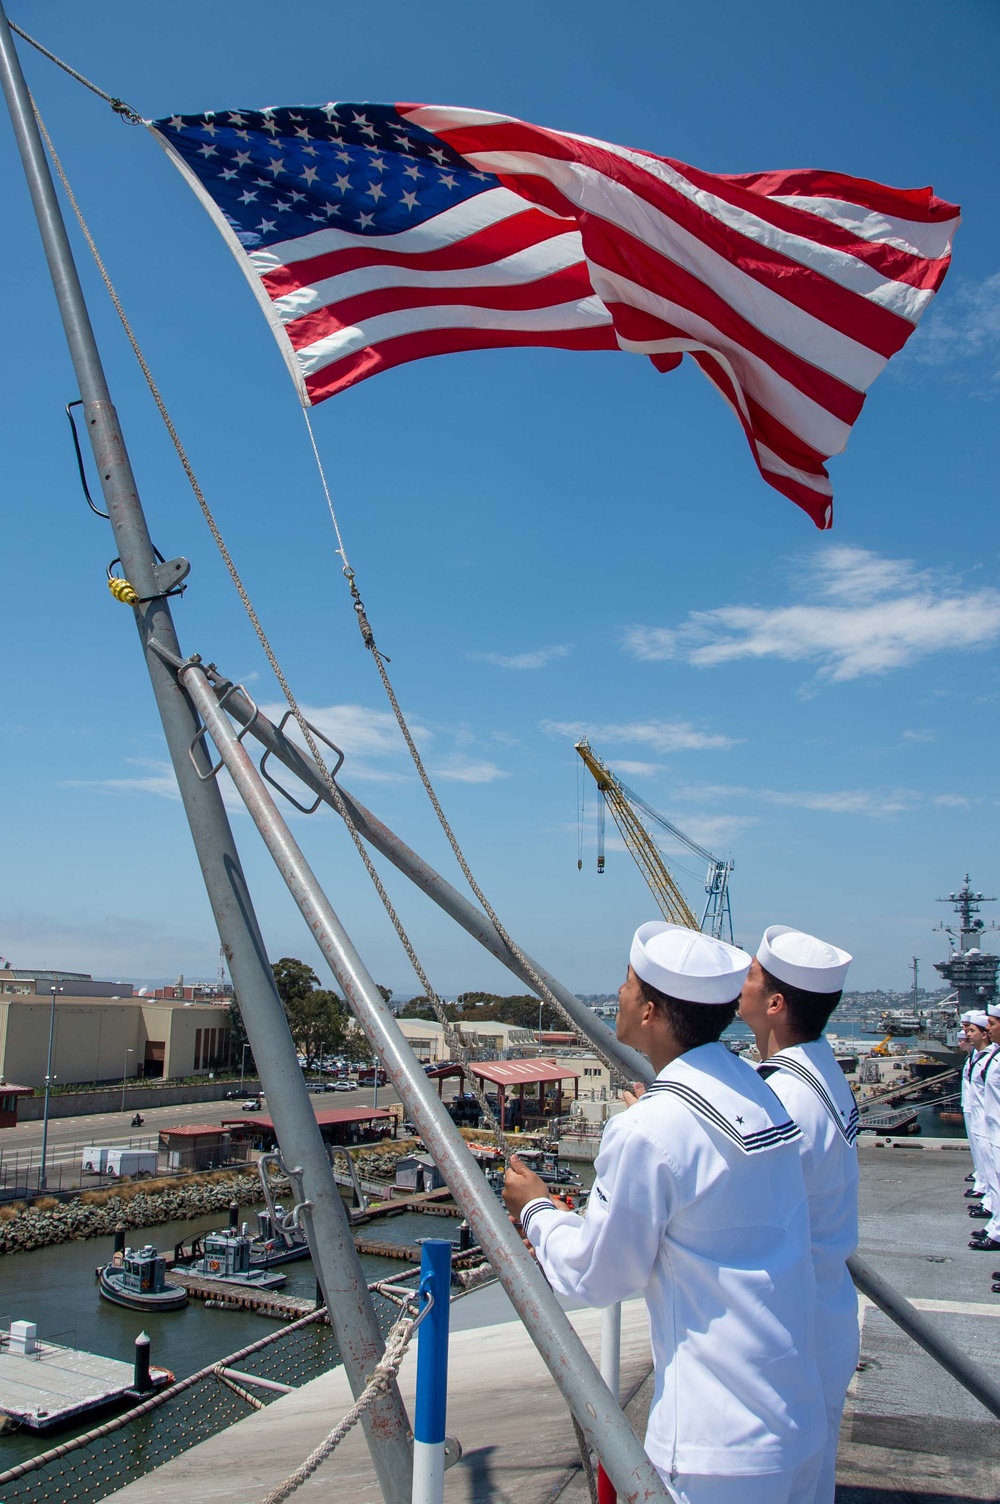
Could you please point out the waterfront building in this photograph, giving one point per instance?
(103, 1031)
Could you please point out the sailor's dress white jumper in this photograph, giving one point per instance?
(986, 1076)
(979, 1179)
(812, 1086)
(975, 1125)
(699, 1204)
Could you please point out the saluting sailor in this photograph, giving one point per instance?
(699, 1204)
(978, 1069)
(793, 986)
(977, 1190)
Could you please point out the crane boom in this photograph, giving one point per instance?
(626, 809)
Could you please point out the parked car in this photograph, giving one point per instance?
(342, 1086)
(238, 1092)
(254, 1105)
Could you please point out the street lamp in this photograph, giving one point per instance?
(243, 1061)
(128, 1052)
(42, 1180)
(539, 1026)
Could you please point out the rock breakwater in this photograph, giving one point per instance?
(96, 1214)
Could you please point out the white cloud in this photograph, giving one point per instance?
(373, 746)
(879, 803)
(537, 658)
(661, 736)
(952, 801)
(917, 736)
(964, 328)
(861, 615)
(468, 770)
(638, 769)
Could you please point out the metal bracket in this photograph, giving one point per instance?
(200, 733)
(169, 573)
(290, 715)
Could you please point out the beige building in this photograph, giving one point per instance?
(102, 1032)
(426, 1038)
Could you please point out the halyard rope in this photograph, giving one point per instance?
(118, 105)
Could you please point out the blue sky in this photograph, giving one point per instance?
(548, 543)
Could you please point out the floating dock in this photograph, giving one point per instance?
(218, 1292)
(47, 1385)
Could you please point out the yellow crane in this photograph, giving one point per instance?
(627, 811)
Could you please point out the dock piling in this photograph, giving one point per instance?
(142, 1384)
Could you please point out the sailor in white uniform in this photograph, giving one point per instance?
(979, 1058)
(792, 988)
(984, 1100)
(699, 1204)
(978, 1188)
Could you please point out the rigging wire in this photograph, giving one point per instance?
(118, 105)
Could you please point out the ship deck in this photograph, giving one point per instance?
(911, 1434)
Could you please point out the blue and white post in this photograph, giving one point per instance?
(432, 1373)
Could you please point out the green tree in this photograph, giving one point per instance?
(420, 1007)
(238, 1035)
(316, 1018)
(293, 979)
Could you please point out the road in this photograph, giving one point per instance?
(69, 1136)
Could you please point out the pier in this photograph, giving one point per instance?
(219, 1293)
(44, 1385)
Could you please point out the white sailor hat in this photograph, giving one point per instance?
(979, 1017)
(801, 960)
(993, 1010)
(688, 965)
(966, 1017)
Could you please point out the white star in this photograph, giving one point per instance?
(176, 123)
(296, 197)
(329, 110)
(375, 191)
(207, 151)
(294, 117)
(364, 125)
(410, 200)
(403, 142)
(310, 174)
(413, 171)
(343, 183)
(378, 165)
(281, 207)
(438, 153)
(276, 165)
(302, 130)
(247, 197)
(365, 220)
(268, 124)
(317, 217)
(242, 158)
(448, 180)
(480, 175)
(227, 173)
(343, 156)
(243, 135)
(207, 125)
(265, 225)
(263, 183)
(331, 209)
(308, 151)
(235, 118)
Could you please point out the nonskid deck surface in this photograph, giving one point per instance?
(911, 1435)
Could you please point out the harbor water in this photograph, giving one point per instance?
(56, 1288)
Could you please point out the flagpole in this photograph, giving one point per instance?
(345, 1291)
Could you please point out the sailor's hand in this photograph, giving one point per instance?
(631, 1097)
(520, 1186)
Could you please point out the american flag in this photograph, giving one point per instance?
(377, 234)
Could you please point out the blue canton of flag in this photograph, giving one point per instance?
(370, 242)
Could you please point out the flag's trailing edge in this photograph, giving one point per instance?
(377, 234)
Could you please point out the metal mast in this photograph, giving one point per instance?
(324, 1216)
(970, 970)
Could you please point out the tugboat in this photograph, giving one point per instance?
(274, 1245)
(226, 1256)
(137, 1278)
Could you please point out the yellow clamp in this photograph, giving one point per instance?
(123, 591)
